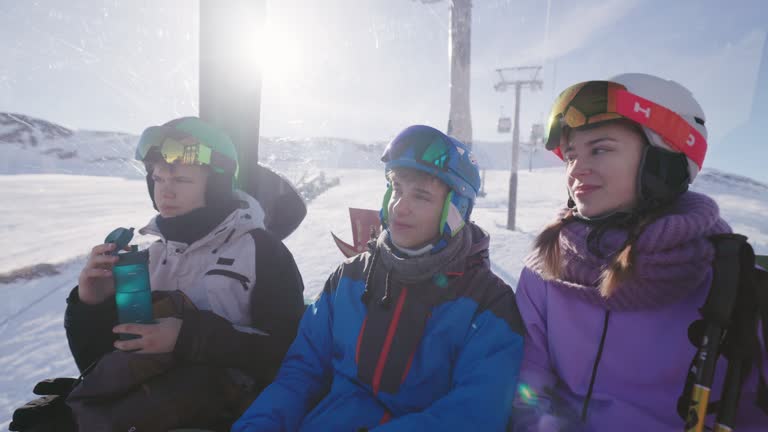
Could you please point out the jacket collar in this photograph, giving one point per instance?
(247, 217)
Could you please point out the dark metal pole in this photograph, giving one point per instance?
(512, 207)
(230, 73)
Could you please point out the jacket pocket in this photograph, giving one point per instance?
(244, 281)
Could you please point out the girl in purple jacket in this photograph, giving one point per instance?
(611, 287)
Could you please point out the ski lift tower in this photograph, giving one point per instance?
(460, 36)
(530, 79)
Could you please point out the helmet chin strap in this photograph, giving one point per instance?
(606, 217)
(593, 220)
(412, 252)
(605, 221)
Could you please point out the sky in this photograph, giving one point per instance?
(364, 69)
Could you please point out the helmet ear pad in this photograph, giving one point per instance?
(151, 188)
(663, 175)
(455, 215)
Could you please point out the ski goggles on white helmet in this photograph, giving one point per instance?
(593, 102)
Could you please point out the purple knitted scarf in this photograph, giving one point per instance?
(672, 257)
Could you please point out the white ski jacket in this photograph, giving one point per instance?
(216, 272)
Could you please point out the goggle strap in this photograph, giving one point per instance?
(665, 122)
(385, 204)
(221, 162)
(446, 210)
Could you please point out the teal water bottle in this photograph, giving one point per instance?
(133, 294)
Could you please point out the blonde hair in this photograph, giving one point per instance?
(546, 256)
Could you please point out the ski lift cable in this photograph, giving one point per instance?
(439, 20)
(29, 306)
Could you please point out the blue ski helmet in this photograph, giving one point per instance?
(426, 149)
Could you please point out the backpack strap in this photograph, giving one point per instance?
(706, 334)
(761, 282)
(734, 306)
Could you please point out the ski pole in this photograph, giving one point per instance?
(717, 313)
(740, 349)
(705, 370)
(726, 414)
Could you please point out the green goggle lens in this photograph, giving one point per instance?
(424, 146)
(186, 152)
(436, 154)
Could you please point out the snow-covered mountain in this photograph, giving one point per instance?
(29, 131)
(35, 146)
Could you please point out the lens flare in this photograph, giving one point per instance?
(526, 393)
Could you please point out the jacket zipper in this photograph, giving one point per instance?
(244, 281)
(388, 340)
(594, 368)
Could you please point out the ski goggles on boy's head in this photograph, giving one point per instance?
(175, 147)
(422, 144)
(594, 102)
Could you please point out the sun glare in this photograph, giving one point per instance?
(279, 52)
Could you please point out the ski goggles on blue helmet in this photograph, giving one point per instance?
(427, 149)
(189, 141)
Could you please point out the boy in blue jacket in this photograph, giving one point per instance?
(417, 333)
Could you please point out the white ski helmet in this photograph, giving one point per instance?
(678, 99)
(668, 113)
(671, 120)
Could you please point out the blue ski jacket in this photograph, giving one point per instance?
(443, 354)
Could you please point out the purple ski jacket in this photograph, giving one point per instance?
(645, 353)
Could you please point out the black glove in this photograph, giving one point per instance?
(49, 412)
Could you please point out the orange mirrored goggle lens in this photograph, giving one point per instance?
(582, 104)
